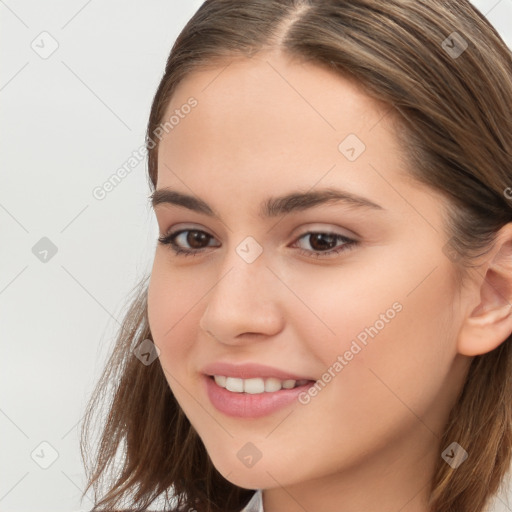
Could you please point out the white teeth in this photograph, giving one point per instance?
(256, 385)
(272, 385)
(234, 384)
(220, 380)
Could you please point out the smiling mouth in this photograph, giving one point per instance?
(257, 385)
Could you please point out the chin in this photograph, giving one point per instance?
(246, 480)
(260, 476)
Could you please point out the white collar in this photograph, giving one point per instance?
(256, 503)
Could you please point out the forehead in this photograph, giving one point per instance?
(273, 119)
(269, 84)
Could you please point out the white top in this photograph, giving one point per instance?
(256, 503)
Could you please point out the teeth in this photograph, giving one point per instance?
(220, 380)
(236, 385)
(256, 385)
(253, 386)
(288, 384)
(272, 385)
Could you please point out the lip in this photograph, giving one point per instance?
(250, 371)
(246, 405)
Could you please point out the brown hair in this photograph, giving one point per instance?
(455, 114)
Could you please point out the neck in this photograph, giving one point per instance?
(394, 479)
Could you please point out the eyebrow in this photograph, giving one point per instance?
(273, 206)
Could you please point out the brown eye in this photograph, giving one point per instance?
(322, 241)
(196, 238)
(178, 241)
(325, 244)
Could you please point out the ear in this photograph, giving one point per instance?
(490, 323)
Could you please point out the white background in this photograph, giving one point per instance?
(68, 122)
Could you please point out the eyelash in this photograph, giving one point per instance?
(349, 244)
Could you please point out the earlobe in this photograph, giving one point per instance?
(485, 331)
(490, 323)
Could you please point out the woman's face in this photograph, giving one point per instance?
(356, 293)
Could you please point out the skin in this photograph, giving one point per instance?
(369, 440)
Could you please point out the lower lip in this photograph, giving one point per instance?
(248, 405)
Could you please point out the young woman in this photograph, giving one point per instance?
(327, 323)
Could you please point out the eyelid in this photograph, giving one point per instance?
(300, 231)
(325, 227)
(184, 226)
(349, 242)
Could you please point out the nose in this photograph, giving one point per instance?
(244, 303)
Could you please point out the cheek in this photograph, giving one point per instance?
(171, 300)
(382, 340)
(173, 322)
(344, 313)
(420, 346)
(403, 355)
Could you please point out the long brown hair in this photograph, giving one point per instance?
(454, 106)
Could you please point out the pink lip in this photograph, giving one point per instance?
(246, 405)
(250, 371)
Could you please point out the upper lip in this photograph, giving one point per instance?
(249, 371)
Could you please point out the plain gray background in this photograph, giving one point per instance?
(69, 121)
